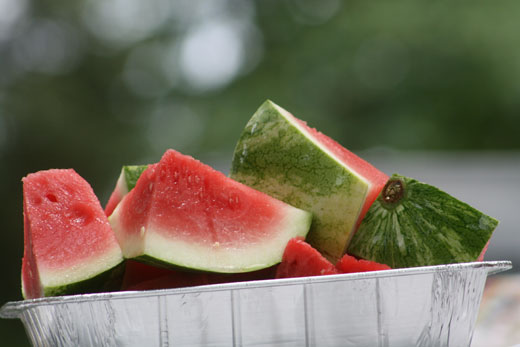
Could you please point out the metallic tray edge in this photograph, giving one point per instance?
(14, 309)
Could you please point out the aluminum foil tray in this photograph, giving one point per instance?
(424, 306)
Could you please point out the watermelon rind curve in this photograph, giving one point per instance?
(415, 224)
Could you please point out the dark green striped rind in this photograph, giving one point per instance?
(425, 227)
(274, 156)
(107, 281)
(132, 174)
(151, 260)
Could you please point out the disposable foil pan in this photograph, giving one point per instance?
(424, 306)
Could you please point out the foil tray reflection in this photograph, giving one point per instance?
(423, 306)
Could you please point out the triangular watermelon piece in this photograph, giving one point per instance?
(186, 214)
(300, 260)
(69, 245)
(280, 155)
(349, 264)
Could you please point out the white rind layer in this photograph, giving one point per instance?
(131, 244)
(121, 184)
(81, 271)
(268, 251)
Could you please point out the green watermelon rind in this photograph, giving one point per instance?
(277, 156)
(425, 227)
(106, 281)
(131, 174)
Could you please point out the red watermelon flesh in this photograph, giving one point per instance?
(349, 264)
(184, 213)
(376, 179)
(484, 250)
(116, 196)
(68, 239)
(300, 259)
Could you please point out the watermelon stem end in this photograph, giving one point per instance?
(393, 191)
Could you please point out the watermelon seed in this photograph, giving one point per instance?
(393, 191)
(142, 231)
(51, 198)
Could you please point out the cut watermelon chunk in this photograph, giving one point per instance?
(300, 260)
(283, 157)
(415, 224)
(126, 181)
(183, 213)
(349, 264)
(69, 245)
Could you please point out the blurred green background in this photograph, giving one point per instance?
(96, 84)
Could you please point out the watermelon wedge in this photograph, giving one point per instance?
(280, 155)
(300, 260)
(415, 224)
(126, 181)
(183, 213)
(69, 245)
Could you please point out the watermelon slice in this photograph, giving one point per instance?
(349, 264)
(301, 260)
(415, 224)
(184, 213)
(126, 181)
(280, 155)
(69, 245)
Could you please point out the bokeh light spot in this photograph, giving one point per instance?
(11, 12)
(48, 46)
(211, 55)
(123, 22)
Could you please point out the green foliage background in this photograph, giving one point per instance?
(406, 75)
